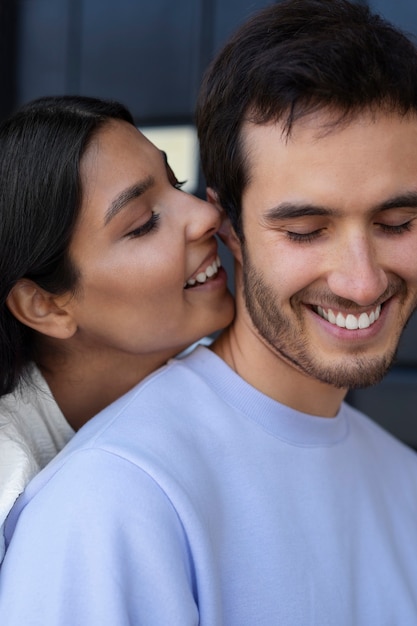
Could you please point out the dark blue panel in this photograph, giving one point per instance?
(407, 352)
(8, 50)
(403, 13)
(143, 53)
(43, 48)
(392, 403)
(229, 15)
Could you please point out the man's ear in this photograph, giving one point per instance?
(41, 310)
(226, 232)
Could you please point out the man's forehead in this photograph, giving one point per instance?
(323, 121)
(367, 163)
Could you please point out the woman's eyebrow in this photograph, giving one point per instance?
(125, 196)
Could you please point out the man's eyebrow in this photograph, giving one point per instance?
(405, 200)
(132, 192)
(289, 210)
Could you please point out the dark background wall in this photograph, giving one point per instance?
(151, 55)
(8, 55)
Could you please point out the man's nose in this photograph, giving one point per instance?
(356, 274)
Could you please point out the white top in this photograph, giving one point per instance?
(32, 431)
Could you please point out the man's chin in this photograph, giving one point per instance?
(356, 374)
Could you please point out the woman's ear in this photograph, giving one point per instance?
(226, 232)
(40, 310)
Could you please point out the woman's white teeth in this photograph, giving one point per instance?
(210, 271)
(350, 321)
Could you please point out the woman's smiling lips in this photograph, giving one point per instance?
(209, 271)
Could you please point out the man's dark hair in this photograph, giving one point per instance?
(292, 59)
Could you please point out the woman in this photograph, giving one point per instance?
(107, 270)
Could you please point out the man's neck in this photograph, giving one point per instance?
(268, 372)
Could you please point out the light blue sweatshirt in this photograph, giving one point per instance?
(196, 500)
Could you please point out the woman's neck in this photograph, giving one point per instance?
(83, 385)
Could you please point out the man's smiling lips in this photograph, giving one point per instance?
(202, 276)
(349, 320)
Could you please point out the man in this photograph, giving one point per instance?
(234, 487)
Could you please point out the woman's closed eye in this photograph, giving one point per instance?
(145, 228)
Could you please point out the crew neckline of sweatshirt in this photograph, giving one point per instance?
(279, 420)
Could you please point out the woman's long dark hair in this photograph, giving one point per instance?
(41, 146)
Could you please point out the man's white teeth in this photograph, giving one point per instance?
(210, 271)
(350, 321)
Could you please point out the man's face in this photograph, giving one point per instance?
(330, 254)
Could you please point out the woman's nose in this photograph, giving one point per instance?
(202, 218)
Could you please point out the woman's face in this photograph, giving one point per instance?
(143, 249)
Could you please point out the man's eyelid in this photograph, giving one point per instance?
(396, 216)
(303, 224)
(307, 237)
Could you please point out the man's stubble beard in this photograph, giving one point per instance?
(293, 346)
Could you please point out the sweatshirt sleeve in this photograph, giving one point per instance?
(99, 544)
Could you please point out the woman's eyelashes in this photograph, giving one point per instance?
(145, 228)
(152, 223)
